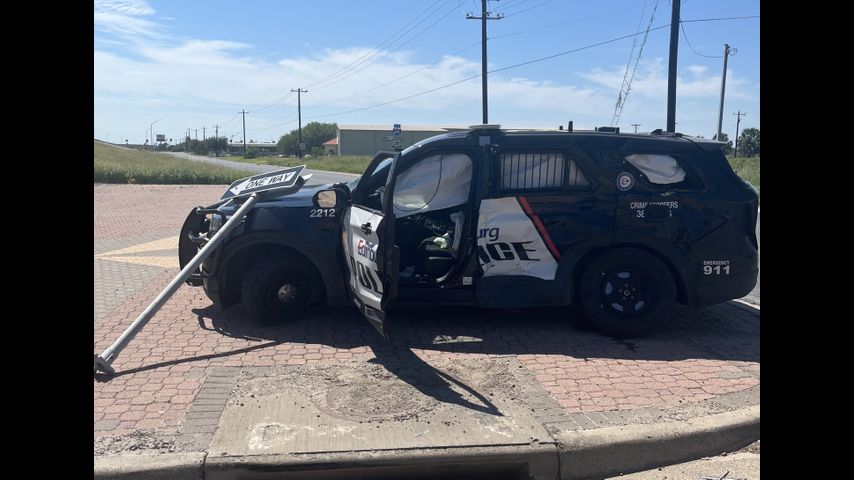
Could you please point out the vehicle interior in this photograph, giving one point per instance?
(430, 198)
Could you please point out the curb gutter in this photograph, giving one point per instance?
(173, 466)
(617, 450)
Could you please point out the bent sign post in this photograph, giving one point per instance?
(277, 183)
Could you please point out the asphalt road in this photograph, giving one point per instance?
(318, 177)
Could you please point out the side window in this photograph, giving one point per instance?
(664, 170)
(659, 169)
(519, 171)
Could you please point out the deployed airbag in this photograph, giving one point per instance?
(436, 182)
(660, 169)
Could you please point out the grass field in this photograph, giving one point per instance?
(746, 168)
(344, 164)
(123, 165)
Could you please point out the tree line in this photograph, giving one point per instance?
(748, 143)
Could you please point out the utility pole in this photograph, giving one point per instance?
(196, 130)
(484, 16)
(244, 112)
(203, 134)
(299, 118)
(737, 124)
(216, 130)
(636, 125)
(723, 89)
(187, 142)
(671, 74)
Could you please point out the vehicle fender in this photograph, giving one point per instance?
(575, 260)
(327, 265)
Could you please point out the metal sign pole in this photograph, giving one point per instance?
(103, 361)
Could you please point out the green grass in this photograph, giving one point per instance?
(123, 165)
(746, 168)
(343, 164)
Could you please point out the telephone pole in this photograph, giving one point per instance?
(203, 134)
(299, 118)
(737, 124)
(244, 112)
(671, 75)
(196, 130)
(216, 140)
(723, 90)
(484, 16)
(636, 125)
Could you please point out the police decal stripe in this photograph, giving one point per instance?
(544, 234)
(509, 243)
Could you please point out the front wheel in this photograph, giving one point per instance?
(278, 290)
(627, 292)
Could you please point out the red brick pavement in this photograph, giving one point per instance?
(704, 353)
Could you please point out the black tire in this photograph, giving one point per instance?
(627, 292)
(279, 290)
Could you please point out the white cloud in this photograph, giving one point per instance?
(195, 82)
(697, 70)
(125, 18)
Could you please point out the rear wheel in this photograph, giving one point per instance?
(279, 290)
(627, 292)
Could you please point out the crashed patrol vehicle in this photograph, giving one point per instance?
(623, 225)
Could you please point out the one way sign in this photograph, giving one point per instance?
(281, 182)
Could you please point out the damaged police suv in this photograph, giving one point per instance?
(622, 225)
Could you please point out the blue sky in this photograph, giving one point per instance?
(194, 64)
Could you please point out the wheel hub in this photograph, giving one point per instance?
(627, 292)
(286, 293)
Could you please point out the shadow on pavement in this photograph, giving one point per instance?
(722, 332)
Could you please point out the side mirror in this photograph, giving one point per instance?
(327, 198)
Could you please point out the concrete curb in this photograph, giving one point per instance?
(617, 450)
(536, 461)
(579, 455)
(175, 466)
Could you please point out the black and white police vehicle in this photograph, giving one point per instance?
(623, 225)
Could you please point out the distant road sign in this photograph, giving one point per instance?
(280, 180)
(396, 129)
(161, 137)
(302, 147)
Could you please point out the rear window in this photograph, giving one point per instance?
(659, 169)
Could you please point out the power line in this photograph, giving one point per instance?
(517, 12)
(621, 99)
(294, 119)
(398, 78)
(628, 66)
(510, 67)
(685, 36)
(546, 27)
(512, 4)
(719, 18)
(375, 51)
(387, 54)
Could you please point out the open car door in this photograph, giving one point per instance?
(372, 259)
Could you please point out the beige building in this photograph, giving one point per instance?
(370, 139)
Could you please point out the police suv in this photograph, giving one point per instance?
(623, 225)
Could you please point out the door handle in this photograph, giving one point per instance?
(366, 228)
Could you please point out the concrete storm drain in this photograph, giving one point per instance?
(358, 406)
